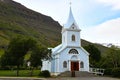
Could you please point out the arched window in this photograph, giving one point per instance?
(73, 51)
(82, 64)
(64, 64)
(73, 37)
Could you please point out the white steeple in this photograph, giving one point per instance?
(71, 32)
(70, 20)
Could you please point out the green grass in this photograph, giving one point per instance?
(22, 73)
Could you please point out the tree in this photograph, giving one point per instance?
(95, 54)
(14, 54)
(39, 53)
(112, 57)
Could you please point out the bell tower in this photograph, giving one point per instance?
(71, 32)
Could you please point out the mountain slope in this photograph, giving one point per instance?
(102, 48)
(15, 19)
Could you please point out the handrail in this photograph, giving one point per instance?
(97, 71)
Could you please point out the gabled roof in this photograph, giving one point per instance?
(70, 20)
(57, 48)
(60, 48)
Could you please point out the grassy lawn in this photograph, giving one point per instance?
(22, 73)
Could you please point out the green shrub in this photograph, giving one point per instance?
(116, 72)
(108, 71)
(44, 73)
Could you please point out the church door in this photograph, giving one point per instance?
(74, 65)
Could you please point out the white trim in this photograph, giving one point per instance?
(85, 51)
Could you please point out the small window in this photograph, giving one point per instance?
(64, 64)
(73, 37)
(73, 51)
(82, 65)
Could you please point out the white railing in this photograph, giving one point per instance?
(97, 71)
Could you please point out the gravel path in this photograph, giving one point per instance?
(85, 78)
(65, 78)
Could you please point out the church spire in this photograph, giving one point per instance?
(70, 20)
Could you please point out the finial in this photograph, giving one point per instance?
(70, 4)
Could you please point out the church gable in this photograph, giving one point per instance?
(72, 51)
(73, 27)
(71, 56)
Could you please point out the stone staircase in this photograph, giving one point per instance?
(77, 74)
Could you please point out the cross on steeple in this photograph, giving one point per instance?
(70, 20)
(70, 3)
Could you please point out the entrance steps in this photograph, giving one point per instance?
(77, 74)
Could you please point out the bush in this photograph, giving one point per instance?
(108, 71)
(44, 73)
(116, 72)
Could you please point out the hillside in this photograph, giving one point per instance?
(16, 19)
(102, 48)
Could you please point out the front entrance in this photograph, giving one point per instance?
(74, 65)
